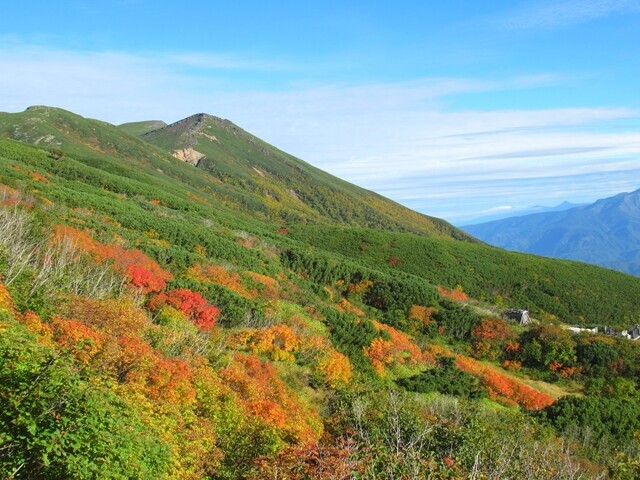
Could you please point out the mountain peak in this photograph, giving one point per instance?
(193, 128)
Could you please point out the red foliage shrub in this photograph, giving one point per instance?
(192, 304)
(394, 261)
(142, 271)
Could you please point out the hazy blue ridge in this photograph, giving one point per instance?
(605, 233)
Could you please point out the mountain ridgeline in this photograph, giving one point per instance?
(605, 233)
(281, 183)
(186, 301)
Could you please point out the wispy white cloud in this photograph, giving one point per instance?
(501, 208)
(561, 13)
(398, 138)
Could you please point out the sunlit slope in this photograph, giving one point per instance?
(237, 168)
(298, 190)
(139, 128)
(574, 292)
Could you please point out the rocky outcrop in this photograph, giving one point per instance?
(189, 155)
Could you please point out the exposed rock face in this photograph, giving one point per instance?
(189, 155)
(210, 137)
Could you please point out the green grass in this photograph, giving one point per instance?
(136, 129)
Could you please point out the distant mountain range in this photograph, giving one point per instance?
(509, 212)
(605, 233)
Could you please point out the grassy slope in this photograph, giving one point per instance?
(135, 129)
(298, 189)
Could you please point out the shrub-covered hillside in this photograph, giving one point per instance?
(244, 172)
(152, 326)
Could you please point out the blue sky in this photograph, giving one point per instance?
(456, 109)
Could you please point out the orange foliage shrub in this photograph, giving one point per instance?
(490, 336)
(267, 286)
(171, 379)
(360, 287)
(421, 313)
(142, 272)
(39, 178)
(513, 365)
(6, 302)
(192, 304)
(220, 275)
(419, 317)
(456, 294)
(500, 384)
(336, 369)
(117, 316)
(267, 397)
(82, 341)
(35, 325)
(345, 305)
(399, 349)
(136, 358)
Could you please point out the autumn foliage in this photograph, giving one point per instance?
(220, 275)
(336, 369)
(345, 305)
(6, 302)
(279, 342)
(266, 396)
(490, 337)
(83, 341)
(141, 271)
(455, 294)
(508, 387)
(394, 348)
(191, 304)
(266, 287)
